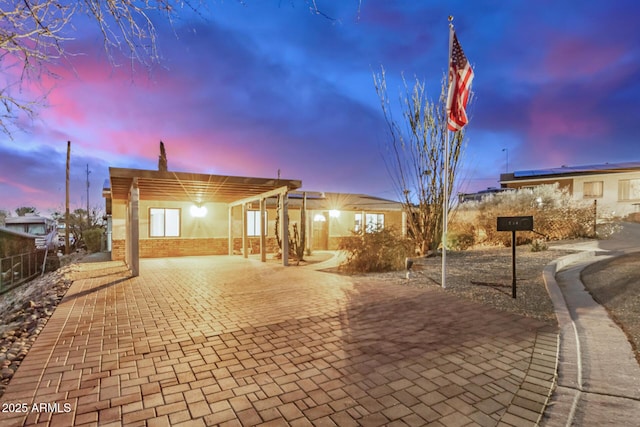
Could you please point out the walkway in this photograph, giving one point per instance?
(598, 375)
(228, 341)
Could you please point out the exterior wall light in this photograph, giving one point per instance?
(333, 213)
(198, 211)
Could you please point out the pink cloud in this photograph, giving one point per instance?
(571, 121)
(579, 58)
(22, 187)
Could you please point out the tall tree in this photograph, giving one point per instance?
(23, 210)
(415, 158)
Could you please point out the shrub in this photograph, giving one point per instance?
(381, 250)
(556, 216)
(93, 239)
(460, 236)
(539, 245)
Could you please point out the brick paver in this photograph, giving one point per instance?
(231, 341)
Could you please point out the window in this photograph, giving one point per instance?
(592, 189)
(374, 222)
(628, 189)
(164, 222)
(253, 223)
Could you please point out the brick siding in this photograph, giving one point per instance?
(159, 248)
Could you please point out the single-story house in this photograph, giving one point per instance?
(615, 186)
(164, 214)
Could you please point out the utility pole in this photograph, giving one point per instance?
(66, 212)
(88, 216)
(506, 169)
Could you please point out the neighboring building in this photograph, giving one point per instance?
(615, 186)
(43, 229)
(164, 214)
(478, 196)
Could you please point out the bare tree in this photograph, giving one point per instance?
(415, 158)
(33, 35)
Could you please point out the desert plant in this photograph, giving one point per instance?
(539, 245)
(380, 250)
(418, 149)
(297, 235)
(461, 235)
(296, 243)
(460, 241)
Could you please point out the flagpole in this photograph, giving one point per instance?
(445, 198)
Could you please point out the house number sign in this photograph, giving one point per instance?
(513, 224)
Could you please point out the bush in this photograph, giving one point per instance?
(556, 216)
(381, 250)
(460, 236)
(539, 245)
(93, 239)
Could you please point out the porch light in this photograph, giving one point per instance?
(198, 211)
(334, 213)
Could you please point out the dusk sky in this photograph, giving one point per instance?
(251, 87)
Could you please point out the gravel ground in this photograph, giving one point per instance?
(615, 284)
(484, 275)
(26, 309)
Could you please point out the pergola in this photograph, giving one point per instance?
(133, 185)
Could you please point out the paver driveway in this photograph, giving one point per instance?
(230, 341)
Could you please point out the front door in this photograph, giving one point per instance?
(320, 232)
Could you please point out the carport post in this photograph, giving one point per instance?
(230, 230)
(245, 250)
(285, 228)
(263, 230)
(134, 228)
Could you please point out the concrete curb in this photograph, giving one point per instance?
(530, 401)
(562, 312)
(549, 277)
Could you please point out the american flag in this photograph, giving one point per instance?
(460, 78)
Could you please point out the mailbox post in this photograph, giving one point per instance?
(513, 224)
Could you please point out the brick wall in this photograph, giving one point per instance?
(159, 248)
(254, 245)
(634, 217)
(117, 250)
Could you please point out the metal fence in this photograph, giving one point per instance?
(18, 269)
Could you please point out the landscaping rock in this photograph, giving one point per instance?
(23, 313)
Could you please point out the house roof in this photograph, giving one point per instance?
(4, 230)
(193, 187)
(345, 201)
(572, 171)
(26, 219)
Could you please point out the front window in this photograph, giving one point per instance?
(373, 222)
(164, 222)
(593, 189)
(629, 189)
(253, 223)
